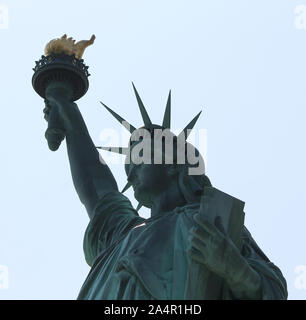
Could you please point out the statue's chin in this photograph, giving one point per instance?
(141, 198)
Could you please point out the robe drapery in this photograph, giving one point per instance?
(138, 259)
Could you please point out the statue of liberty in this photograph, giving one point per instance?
(185, 250)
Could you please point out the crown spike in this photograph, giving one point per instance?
(126, 187)
(120, 150)
(190, 126)
(128, 126)
(144, 114)
(167, 115)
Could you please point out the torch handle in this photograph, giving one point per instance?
(55, 133)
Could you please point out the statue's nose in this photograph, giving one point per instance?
(131, 174)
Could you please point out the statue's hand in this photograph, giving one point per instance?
(211, 246)
(55, 132)
(57, 112)
(46, 110)
(59, 103)
(61, 113)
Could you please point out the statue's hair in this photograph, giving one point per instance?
(192, 186)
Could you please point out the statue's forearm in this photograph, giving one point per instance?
(91, 178)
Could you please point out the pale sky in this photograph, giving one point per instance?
(242, 62)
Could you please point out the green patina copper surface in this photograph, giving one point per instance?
(185, 250)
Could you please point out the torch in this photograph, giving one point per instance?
(61, 66)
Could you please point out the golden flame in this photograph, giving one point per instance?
(68, 46)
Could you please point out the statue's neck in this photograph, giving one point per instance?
(168, 200)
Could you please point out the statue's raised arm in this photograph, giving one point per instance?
(92, 178)
(61, 78)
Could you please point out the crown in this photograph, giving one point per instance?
(147, 125)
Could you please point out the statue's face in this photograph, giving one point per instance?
(148, 181)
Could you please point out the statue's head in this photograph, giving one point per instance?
(156, 159)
